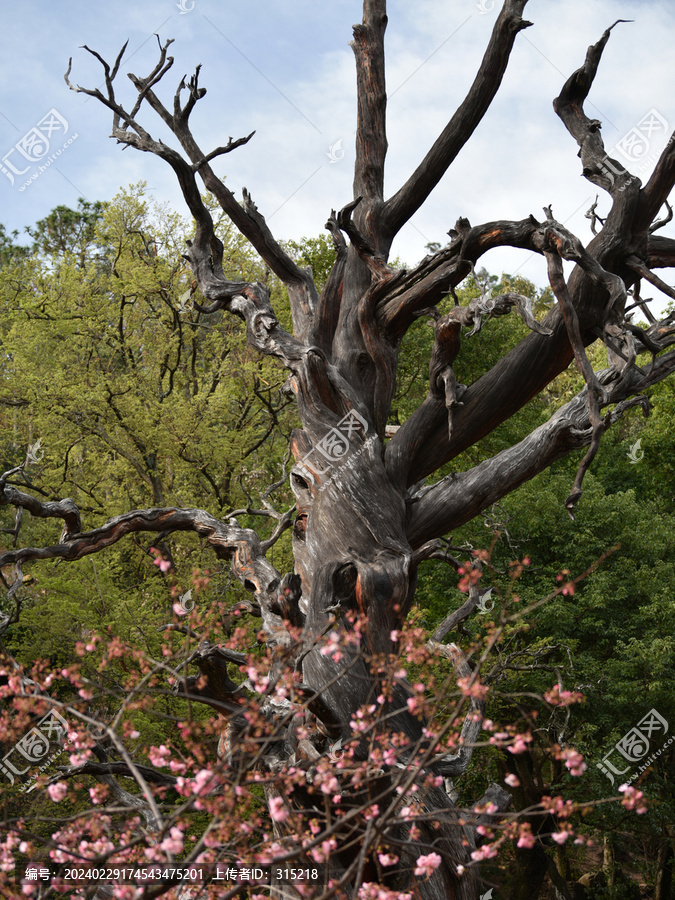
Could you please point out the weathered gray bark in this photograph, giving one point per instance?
(360, 529)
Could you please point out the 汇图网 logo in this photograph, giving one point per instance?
(634, 745)
(34, 147)
(333, 446)
(33, 748)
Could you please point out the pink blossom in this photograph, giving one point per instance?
(323, 852)
(57, 791)
(204, 782)
(558, 697)
(512, 780)
(485, 852)
(387, 859)
(477, 690)
(574, 761)
(330, 785)
(561, 836)
(98, 793)
(174, 842)
(159, 756)
(278, 810)
(519, 745)
(526, 839)
(426, 865)
(631, 798)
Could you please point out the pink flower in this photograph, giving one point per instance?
(485, 852)
(204, 782)
(527, 840)
(558, 697)
(519, 745)
(387, 859)
(426, 865)
(560, 836)
(631, 798)
(159, 756)
(173, 843)
(512, 780)
(574, 761)
(98, 793)
(57, 791)
(79, 759)
(278, 810)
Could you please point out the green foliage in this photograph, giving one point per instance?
(316, 252)
(137, 400)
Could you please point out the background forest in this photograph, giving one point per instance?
(130, 397)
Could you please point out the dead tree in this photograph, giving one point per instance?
(363, 521)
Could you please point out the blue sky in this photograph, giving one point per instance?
(286, 70)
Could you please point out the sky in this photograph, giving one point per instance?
(286, 71)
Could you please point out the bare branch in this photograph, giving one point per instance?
(408, 199)
(457, 616)
(658, 188)
(438, 274)
(371, 137)
(453, 765)
(660, 252)
(598, 168)
(636, 264)
(241, 545)
(458, 498)
(247, 219)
